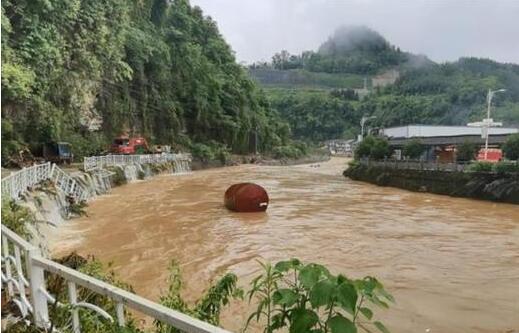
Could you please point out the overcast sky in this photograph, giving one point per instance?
(444, 30)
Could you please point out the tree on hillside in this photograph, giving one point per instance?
(466, 152)
(511, 147)
(413, 149)
(373, 147)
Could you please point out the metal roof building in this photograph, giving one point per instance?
(428, 131)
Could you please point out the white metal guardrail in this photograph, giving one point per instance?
(23, 270)
(18, 183)
(99, 162)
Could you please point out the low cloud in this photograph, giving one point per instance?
(443, 30)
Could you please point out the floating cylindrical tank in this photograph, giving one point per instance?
(246, 197)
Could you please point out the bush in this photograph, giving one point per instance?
(17, 218)
(119, 178)
(506, 167)
(466, 152)
(297, 297)
(207, 308)
(373, 147)
(413, 149)
(202, 152)
(511, 147)
(289, 151)
(481, 167)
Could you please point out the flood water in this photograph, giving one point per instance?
(452, 264)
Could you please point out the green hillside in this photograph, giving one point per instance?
(450, 94)
(86, 71)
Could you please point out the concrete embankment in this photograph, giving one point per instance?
(486, 186)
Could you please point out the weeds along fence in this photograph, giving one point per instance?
(23, 282)
(100, 162)
(18, 183)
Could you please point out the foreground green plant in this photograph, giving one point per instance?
(207, 308)
(308, 298)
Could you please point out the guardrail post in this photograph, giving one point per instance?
(119, 309)
(21, 282)
(72, 296)
(36, 284)
(8, 272)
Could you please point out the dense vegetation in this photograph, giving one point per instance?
(511, 147)
(317, 115)
(86, 71)
(450, 94)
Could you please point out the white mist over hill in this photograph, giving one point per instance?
(443, 30)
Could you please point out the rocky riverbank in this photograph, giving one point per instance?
(502, 187)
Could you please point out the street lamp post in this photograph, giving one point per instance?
(488, 122)
(362, 122)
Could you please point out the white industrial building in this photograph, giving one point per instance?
(427, 131)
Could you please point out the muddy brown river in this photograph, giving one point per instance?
(452, 264)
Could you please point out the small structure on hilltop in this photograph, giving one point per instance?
(246, 197)
(441, 142)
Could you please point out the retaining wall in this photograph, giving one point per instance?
(486, 186)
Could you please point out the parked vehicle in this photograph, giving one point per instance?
(126, 145)
(58, 152)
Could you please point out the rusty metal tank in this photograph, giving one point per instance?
(246, 197)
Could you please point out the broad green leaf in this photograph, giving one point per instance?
(347, 297)
(366, 312)
(381, 327)
(340, 324)
(302, 320)
(387, 295)
(310, 274)
(286, 265)
(285, 297)
(375, 300)
(322, 293)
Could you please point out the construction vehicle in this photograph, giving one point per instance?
(129, 145)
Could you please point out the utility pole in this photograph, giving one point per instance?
(487, 122)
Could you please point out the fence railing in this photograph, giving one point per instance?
(99, 162)
(23, 281)
(18, 183)
(416, 165)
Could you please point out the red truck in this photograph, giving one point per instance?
(127, 145)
